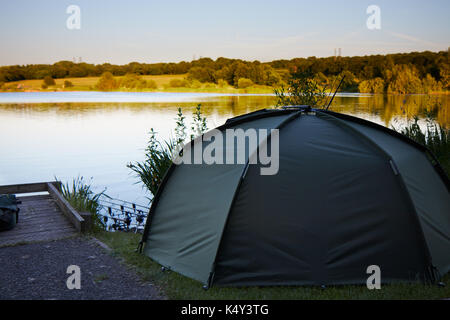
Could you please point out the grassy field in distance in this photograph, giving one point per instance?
(162, 81)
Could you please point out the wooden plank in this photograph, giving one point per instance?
(66, 208)
(44, 219)
(42, 236)
(33, 198)
(38, 225)
(28, 187)
(39, 206)
(38, 212)
(41, 218)
(35, 229)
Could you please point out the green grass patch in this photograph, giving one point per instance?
(176, 286)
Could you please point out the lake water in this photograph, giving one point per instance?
(94, 134)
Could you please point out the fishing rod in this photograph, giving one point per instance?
(343, 77)
(332, 86)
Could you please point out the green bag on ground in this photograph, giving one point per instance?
(9, 212)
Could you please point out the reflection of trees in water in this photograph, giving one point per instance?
(386, 107)
(389, 107)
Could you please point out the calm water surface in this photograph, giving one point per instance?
(95, 134)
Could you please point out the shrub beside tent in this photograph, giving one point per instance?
(348, 194)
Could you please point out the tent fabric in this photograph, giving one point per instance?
(284, 234)
(188, 222)
(348, 195)
(428, 193)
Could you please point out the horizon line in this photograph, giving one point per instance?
(242, 59)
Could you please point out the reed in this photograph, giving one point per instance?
(81, 197)
(434, 136)
(159, 154)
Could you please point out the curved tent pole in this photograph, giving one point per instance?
(430, 270)
(437, 166)
(230, 122)
(243, 174)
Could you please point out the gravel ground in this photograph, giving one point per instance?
(39, 271)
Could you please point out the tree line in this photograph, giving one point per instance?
(415, 72)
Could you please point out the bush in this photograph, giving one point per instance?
(222, 83)
(194, 84)
(371, 86)
(430, 84)
(141, 84)
(107, 82)
(244, 83)
(130, 81)
(209, 85)
(49, 81)
(178, 83)
(44, 86)
(68, 84)
(134, 81)
(151, 84)
(201, 74)
(301, 89)
(350, 83)
(404, 80)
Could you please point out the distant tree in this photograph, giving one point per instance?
(244, 83)
(445, 76)
(378, 85)
(371, 86)
(429, 84)
(274, 73)
(194, 83)
(350, 82)
(151, 84)
(269, 76)
(107, 82)
(301, 89)
(222, 83)
(49, 81)
(201, 74)
(365, 87)
(178, 83)
(68, 84)
(131, 80)
(321, 79)
(404, 79)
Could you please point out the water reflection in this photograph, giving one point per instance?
(40, 141)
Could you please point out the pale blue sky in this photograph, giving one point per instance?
(119, 32)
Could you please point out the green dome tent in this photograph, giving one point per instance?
(348, 194)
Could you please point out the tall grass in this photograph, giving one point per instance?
(159, 154)
(81, 197)
(434, 137)
(158, 158)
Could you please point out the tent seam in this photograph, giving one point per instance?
(241, 179)
(402, 186)
(263, 113)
